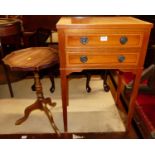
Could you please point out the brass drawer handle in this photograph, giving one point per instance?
(83, 59)
(121, 58)
(123, 40)
(84, 40)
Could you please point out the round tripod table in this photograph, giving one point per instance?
(34, 59)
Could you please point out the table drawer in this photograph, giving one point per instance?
(100, 59)
(101, 40)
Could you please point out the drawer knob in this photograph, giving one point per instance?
(84, 40)
(123, 40)
(83, 59)
(121, 58)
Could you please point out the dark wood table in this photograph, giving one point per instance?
(9, 27)
(34, 59)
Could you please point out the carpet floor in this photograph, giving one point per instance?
(87, 112)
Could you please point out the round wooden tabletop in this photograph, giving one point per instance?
(9, 26)
(30, 59)
(7, 21)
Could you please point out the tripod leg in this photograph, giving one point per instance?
(27, 112)
(50, 117)
(48, 101)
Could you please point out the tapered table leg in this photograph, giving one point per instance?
(119, 89)
(64, 93)
(133, 99)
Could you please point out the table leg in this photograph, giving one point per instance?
(105, 85)
(64, 93)
(6, 70)
(8, 80)
(119, 89)
(27, 112)
(50, 117)
(88, 76)
(133, 99)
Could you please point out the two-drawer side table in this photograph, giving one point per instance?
(102, 43)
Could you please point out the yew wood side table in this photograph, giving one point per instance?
(34, 59)
(102, 43)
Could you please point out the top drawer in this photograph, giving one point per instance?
(105, 39)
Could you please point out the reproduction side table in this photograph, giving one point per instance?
(102, 43)
(35, 59)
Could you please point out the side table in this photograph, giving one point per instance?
(34, 59)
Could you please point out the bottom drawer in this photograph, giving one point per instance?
(107, 59)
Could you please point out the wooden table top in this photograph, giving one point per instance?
(9, 26)
(102, 22)
(8, 21)
(33, 58)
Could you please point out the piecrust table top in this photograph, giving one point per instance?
(32, 58)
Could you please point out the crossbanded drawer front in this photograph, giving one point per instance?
(103, 50)
(110, 59)
(103, 40)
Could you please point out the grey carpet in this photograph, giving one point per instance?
(87, 112)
